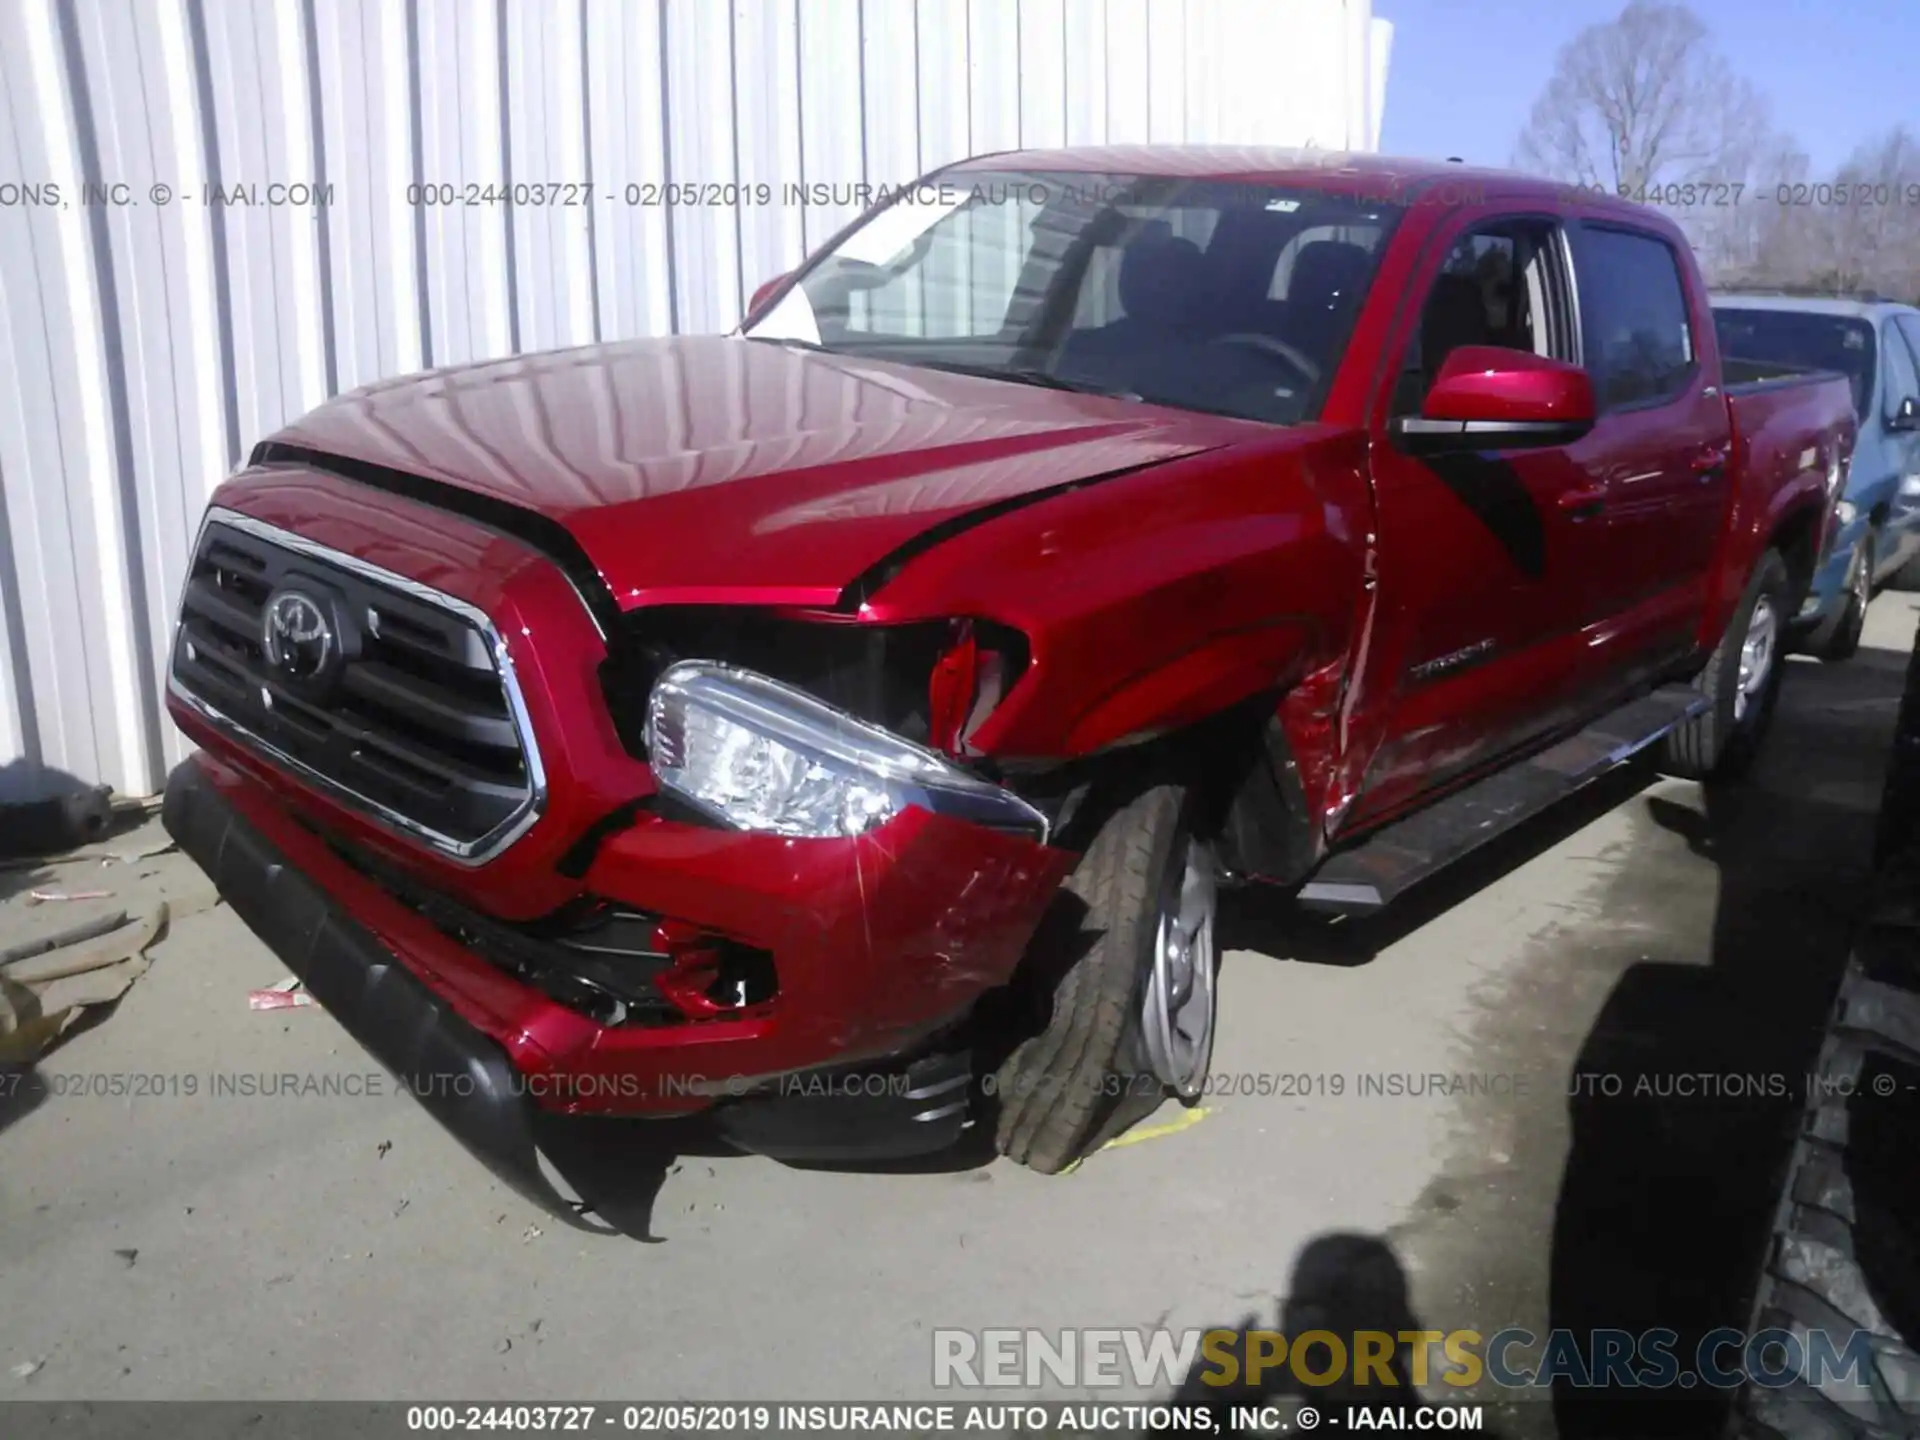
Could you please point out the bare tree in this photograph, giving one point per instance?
(1644, 100)
(1644, 105)
(1742, 242)
(1858, 229)
(1875, 221)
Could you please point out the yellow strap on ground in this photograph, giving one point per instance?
(1185, 1120)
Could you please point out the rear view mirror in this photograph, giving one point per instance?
(1487, 397)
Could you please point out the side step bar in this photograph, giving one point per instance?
(1381, 867)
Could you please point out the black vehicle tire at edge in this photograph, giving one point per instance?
(1817, 1216)
(1813, 1278)
(1712, 746)
(1057, 1089)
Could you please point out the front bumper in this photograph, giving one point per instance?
(464, 1079)
(483, 1052)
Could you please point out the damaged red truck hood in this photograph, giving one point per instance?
(714, 468)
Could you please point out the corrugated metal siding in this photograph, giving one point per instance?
(161, 307)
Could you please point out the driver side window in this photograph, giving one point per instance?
(1500, 284)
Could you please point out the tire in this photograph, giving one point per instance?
(1843, 640)
(1721, 742)
(1845, 1250)
(1093, 1063)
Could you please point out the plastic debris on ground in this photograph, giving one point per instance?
(281, 995)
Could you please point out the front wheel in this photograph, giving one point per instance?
(1740, 684)
(1178, 1007)
(1133, 997)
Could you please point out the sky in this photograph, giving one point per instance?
(1464, 74)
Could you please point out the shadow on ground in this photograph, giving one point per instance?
(21, 1092)
(66, 814)
(618, 1167)
(1346, 1284)
(1684, 1095)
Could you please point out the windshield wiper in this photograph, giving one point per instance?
(1028, 375)
(1018, 374)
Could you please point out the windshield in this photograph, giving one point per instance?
(1221, 296)
(1801, 338)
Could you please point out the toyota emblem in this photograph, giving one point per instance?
(296, 635)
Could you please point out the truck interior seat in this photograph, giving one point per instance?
(1456, 315)
(1327, 279)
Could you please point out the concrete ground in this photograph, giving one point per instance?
(289, 1245)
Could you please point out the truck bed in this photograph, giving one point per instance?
(1784, 425)
(1746, 374)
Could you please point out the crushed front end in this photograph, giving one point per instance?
(535, 852)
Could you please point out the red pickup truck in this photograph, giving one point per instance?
(844, 727)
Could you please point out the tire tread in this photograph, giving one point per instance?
(1813, 1278)
(1052, 1086)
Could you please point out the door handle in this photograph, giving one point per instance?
(1579, 504)
(1709, 462)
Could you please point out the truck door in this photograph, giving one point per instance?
(1660, 447)
(1490, 563)
(1901, 368)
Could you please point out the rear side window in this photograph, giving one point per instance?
(1901, 382)
(1910, 327)
(1639, 344)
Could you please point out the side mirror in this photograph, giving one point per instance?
(765, 292)
(1907, 417)
(1487, 397)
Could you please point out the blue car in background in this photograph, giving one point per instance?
(1876, 344)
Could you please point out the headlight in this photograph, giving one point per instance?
(761, 755)
(1844, 512)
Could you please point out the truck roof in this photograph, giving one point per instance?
(1278, 165)
(1810, 304)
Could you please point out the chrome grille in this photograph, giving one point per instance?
(389, 695)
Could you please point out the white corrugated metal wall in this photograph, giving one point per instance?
(206, 228)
